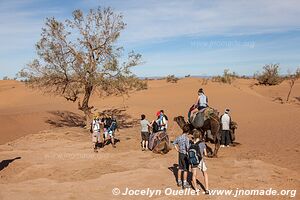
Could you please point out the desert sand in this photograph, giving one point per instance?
(45, 157)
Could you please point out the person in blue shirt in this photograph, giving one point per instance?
(182, 145)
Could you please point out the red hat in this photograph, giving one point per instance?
(158, 113)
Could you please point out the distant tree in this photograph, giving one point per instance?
(291, 80)
(79, 56)
(5, 78)
(270, 75)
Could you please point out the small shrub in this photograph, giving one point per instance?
(227, 77)
(143, 85)
(269, 75)
(172, 79)
(204, 81)
(291, 80)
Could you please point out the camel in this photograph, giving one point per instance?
(159, 143)
(211, 124)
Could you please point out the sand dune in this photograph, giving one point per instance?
(58, 163)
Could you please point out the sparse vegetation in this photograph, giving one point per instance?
(6, 78)
(291, 80)
(79, 56)
(227, 77)
(204, 81)
(269, 75)
(172, 79)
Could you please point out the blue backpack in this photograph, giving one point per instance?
(113, 125)
(194, 154)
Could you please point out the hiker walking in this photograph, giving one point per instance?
(145, 127)
(197, 151)
(182, 145)
(225, 135)
(95, 129)
(110, 133)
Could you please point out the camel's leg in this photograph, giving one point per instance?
(217, 147)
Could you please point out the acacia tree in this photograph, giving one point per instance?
(79, 56)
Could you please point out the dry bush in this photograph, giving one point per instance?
(204, 81)
(227, 77)
(171, 79)
(291, 80)
(269, 75)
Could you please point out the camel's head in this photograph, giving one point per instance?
(233, 125)
(179, 119)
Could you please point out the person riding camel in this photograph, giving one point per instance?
(201, 103)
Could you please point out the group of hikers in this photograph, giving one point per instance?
(109, 125)
(191, 152)
(147, 128)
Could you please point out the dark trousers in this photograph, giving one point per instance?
(225, 137)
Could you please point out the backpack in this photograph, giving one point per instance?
(194, 154)
(92, 126)
(113, 125)
(91, 129)
(155, 127)
(108, 122)
(166, 117)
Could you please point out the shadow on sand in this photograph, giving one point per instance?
(70, 119)
(5, 163)
(66, 118)
(174, 169)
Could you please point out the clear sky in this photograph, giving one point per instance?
(197, 37)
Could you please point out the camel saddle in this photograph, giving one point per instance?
(156, 138)
(198, 118)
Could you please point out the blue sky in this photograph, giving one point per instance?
(178, 37)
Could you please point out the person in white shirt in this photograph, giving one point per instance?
(201, 103)
(96, 138)
(225, 123)
(164, 121)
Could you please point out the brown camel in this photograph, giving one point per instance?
(162, 148)
(212, 124)
(159, 142)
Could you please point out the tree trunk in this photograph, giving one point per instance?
(291, 87)
(85, 103)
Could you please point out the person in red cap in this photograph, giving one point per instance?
(162, 120)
